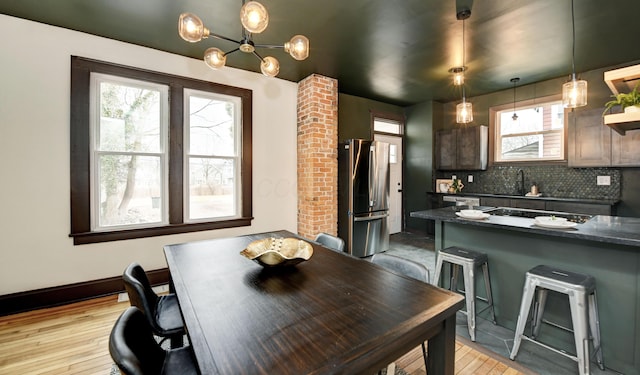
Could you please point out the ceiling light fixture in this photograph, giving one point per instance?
(574, 92)
(514, 81)
(458, 75)
(254, 19)
(464, 110)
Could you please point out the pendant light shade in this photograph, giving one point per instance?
(464, 112)
(574, 92)
(191, 28)
(215, 58)
(270, 67)
(254, 17)
(298, 47)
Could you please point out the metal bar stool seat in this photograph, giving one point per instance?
(468, 260)
(581, 290)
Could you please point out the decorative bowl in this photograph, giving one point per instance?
(278, 252)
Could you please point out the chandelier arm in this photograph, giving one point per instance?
(218, 36)
(273, 46)
(258, 56)
(232, 51)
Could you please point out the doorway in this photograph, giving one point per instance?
(395, 180)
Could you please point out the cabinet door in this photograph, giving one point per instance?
(589, 139)
(625, 149)
(446, 149)
(472, 148)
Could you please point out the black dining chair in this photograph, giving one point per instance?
(135, 351)
(331, 242)
(162, 312)
(408, 268)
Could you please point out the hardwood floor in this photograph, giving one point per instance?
(73, 339)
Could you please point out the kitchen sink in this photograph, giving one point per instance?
(523, 212)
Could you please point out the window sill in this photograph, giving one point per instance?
(97, 237)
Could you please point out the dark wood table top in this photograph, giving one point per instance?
(333, 314)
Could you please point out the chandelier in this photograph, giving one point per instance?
(254, 19)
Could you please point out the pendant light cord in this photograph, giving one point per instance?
(573, 50)
(463, 66)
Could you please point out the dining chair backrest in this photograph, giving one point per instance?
(132, 346)
(330, 241)
(140, 293)
(402, 266)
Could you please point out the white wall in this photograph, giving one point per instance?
(35, 249)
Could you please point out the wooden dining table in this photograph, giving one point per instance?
(332, 314)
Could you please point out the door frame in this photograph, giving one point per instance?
(400, 120)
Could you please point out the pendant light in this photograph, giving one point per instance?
(514, 81)
(464, 110)
(574, 92)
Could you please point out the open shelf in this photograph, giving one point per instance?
(621, 122)
(623, 80)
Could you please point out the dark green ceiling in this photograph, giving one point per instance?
(395, 51)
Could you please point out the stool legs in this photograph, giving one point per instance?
(487, 284)
(470, 298)
(594, 325)
(525, 305)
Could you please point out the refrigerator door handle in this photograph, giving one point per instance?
(370, 218)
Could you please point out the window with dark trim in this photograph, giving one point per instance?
(156, 154)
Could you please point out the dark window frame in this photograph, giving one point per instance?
(81, 69)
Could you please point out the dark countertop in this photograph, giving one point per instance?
(558, 199)
(610, 229)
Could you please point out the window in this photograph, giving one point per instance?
(536, 133)
(155, 154)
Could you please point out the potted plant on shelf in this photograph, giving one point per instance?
(628, 102)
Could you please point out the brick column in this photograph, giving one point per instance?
(317, 156)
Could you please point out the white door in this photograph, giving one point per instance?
(395, 180)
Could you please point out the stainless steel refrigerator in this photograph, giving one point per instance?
(363, 196)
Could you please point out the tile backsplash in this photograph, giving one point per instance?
(552, 181)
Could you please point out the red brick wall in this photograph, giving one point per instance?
(317, 156)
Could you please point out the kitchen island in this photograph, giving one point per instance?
(606, 247)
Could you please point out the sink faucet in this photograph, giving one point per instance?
(520, 174)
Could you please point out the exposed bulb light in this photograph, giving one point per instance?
(254, 19)
(574, 92)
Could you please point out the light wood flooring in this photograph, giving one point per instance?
(73, 339)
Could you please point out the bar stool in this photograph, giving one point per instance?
(468, 260)
(581, 290)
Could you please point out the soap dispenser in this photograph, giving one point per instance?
(534, 189)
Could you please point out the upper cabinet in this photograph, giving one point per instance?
(591, 144)
(462, 148)
(623, 80)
